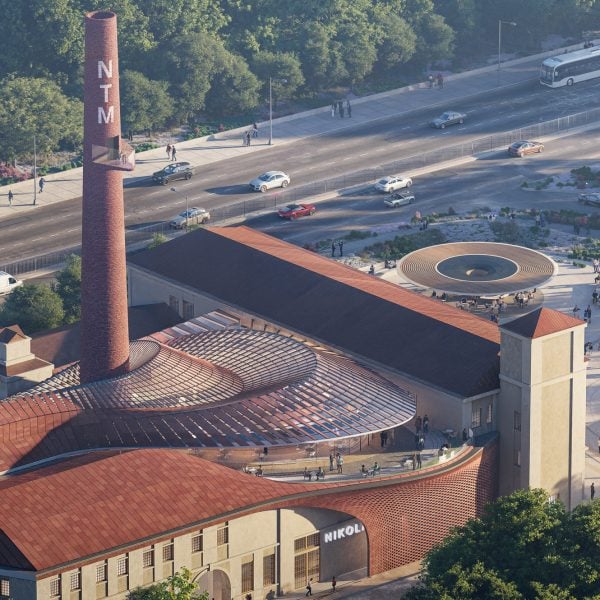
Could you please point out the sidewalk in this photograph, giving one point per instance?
(206, 150)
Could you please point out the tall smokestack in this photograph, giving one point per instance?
(104, 325)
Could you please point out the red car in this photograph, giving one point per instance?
(293, 211)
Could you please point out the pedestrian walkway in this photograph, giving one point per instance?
(286, 130)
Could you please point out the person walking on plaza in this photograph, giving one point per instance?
(419, 463)
(339, 461)
(173, 153)
(341, 111)
(339, 105)
(430, 80)
(592, 491)
(425, 424)
(309, 588)
(10, 197)
(254, 130)
(333, 248)
(334, 582)
(349, 109)
(168, 151)
(341, 247)
(42, 184)
(248, 138)
(331, 461)
(440, 80)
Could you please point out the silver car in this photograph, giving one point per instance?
(270, 179)
(192, 216)
(450, 117)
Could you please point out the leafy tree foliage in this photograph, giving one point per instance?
(523, 546)
(177, 587)
(68, 287)
(146, 104)
(32, 307)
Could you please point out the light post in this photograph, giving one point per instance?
(500, 23)
(271, 80)
(186, 207)
(34, 172)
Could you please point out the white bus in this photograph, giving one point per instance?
(567, 69)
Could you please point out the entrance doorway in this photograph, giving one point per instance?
(216, 583)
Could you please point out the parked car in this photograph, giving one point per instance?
(391, 183)
(293, 211)
(178, 170)
(191, 216)
(450, 117)
(589, 198)
(270, 179)
(524, 147)
(399, 199)
(8, 283)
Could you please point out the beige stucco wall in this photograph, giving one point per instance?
(556, 356)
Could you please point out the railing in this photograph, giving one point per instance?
(270, 202)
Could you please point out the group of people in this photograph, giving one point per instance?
(341, 109)
(309, 586)
(374, 470)
(339, 245)
(319, 474)
(249, 135)
(439, 79)
(339, 462)
(171, 152)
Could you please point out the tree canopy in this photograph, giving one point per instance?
(177, 587)
(32, 307)
(523, 546)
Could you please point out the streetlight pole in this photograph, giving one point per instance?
(34, 172)
(187, 210)
(270, 111)
(500, 23)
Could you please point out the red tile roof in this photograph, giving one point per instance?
(335, 304)
(541, 322)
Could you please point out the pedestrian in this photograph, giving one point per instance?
(592, 491)
(599, 445)
(440, 80)
(333, 248)
(426, 424)
(42, 184)
(168, 151)
(418, 424)
(340, 105)
(595, 296)
(576, 310)
(588, 317)
(430, 80)
(173, 153)
(331, 461)
(342, 111)
(421, 444)
(349, 109)
(414, 460)
(247, 138)
(308, 588)
(10, 197)
(333, 109)
(334, 582)
(419, 463)
(254, 130)
(372, 270)
(341, 247)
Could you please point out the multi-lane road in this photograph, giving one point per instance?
(485, 182)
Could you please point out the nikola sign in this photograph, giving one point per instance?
(343, 532)
(105, 116)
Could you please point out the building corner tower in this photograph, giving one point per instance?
(104, 324)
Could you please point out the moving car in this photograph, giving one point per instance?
(391, 183)
(293, 211)
(524, 147)
(589, 199)
(450, 117)
(191, 216)
(399, 199)
(270, 179)
(178, 170)
(8, 283)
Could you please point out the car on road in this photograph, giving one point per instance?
(191, 216)
(8, 283)
(293, 211)
(391, 183)
(589, 198)
(269, 180)
(450, 117)
(524, 147)
(399, 199)
(178, 170)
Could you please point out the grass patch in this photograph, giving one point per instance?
(403, 244)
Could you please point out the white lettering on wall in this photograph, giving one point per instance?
(342, 532)
(106, 87)
(102, 68)
(106, 117)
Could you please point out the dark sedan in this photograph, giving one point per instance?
(450, 117)
(293, 211)
(178, 170)
(524, 147)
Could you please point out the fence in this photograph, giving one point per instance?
(270, 202)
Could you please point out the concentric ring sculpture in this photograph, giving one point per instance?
(477, 268)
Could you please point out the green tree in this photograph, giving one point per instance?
(284, 70)
(32, 307)
(68, 287)
(146, 105)
(157, 240)
(36, 106)
(177, 587)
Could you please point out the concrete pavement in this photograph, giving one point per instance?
(228, 145)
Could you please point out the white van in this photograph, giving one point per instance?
(8, 283)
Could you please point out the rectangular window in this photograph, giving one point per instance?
(75, 581)
(122, 565)
(188, 310)
(101, 572)
(517, 419)
(174, 303)
(476, 417)
(55, 587)
(490, 413)
(197, 543)
(148, 558)
(307, 559)
(5, 588)
(268, 570)
(223, 535)
(517, 457)
(168, 552)
(248, 577)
